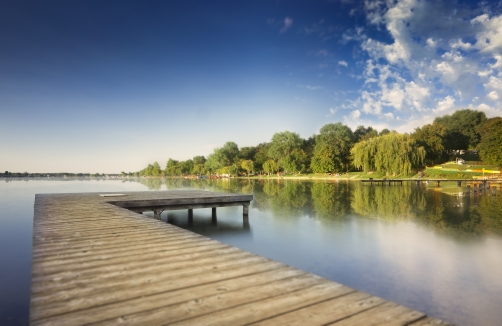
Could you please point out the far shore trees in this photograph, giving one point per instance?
(432, 138)
(336, 148)
(462, 128)
(490, 146)
(332, 149)
(286, 149)
(270, 166)
(392, 154)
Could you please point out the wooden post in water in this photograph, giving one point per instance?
(494, 190)
(459, 183)
(156, 213)
(213, 215)
(468, 189)
(437, 183)
(245, 209)
(190, 216)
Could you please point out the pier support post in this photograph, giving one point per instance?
(494, 190)
(459, 183)
(190, 216)
(468, 189)
(156, 213)
(437, 183)
(214, 219)
(245, 209)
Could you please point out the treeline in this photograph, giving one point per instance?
(339, 149)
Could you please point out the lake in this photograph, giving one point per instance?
(427, 248)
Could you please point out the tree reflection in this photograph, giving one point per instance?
(330, 200)
(490, 210)
(388, 203)
(465, 217)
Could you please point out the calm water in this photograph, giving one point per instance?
(429, 250)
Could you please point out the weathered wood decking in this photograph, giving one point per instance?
(97, 263)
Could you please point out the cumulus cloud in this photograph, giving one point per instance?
(440, 57)
(343, 63)
(287, 23)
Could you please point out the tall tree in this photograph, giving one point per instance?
(364, 133)
(490, 146)
(463, 122)
(333, 143)
(247, 165)
(431, 137)
(261, 156)
(282, 145)
(270, 166)
(392, 154)
(222, 157)
(172, 168)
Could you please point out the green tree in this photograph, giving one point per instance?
(295, 162)
(431, 137)
(270, 166)
(172, 168)
(260, 156)
(392, 154)
(334, 142)
(282, 145)
(462, 126)
(186, 167)
(363, 133)
(323, 160)
(247, 153)
(222, 157)
(199, 160)
(247, 165)
(490, 146)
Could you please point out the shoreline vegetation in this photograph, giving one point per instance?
(462, 145)
(466, 137)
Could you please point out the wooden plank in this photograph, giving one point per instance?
(271, 306)
(204, 305)
(428, 321)
(119, 266)
(131, 289)
(130, 248)
(122, 310)
(388, 313)
(326, 312)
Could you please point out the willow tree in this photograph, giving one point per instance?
(391, 154)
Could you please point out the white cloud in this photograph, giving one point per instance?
(493, 96)
(343, 63)
(446, 104)
(355, 114)
(288, 22)
(436, 61)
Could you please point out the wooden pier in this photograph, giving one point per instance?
(437, 182)
(97, 261)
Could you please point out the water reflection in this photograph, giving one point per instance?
(474, 216)
(420, 246)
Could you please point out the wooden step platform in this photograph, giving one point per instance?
(96, 262)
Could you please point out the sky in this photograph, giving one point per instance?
(110, 86)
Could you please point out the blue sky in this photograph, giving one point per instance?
(110, 86)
